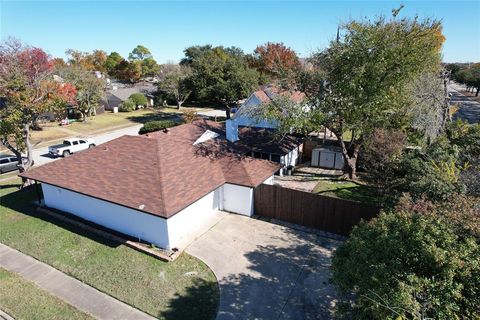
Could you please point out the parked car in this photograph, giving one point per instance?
(9, 162)
(70, 146)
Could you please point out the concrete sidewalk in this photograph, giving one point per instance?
(74, 292)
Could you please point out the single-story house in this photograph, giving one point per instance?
(119, 93)
(156, 187)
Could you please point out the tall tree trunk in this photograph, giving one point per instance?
(28, 146)
(350, 167)
(227, 111)
(478, 89)
(179, 104)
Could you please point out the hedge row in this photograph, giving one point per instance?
(152, 126)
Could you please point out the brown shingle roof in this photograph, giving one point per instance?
(266, 93)
(161, 173)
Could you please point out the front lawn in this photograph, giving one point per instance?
(183, 289)
(22, 299)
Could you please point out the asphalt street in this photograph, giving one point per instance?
(469, 109)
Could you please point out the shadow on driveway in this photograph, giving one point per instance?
(266, 271)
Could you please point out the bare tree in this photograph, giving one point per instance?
(429, 109)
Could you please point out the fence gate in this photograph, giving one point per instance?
(310, 210)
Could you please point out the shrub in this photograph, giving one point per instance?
(189, 116)
(382, 157)
(139, 99)
(409, 265)
(434, 171)
(126, 106)
(152, 126)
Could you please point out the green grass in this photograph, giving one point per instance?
(346, 190)
(167, 290)
(24, 300)
(108, 120)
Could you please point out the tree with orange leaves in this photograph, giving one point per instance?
(275, 60)
(27, 89)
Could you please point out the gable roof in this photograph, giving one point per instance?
(159, 173)
(267, 93)
(123, 93)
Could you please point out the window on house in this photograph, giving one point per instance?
(276, 158)
(257, 155)
(265, 156)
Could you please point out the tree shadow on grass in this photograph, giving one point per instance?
(200, 302)
(155, 116)
(285, 277)
(22, 201)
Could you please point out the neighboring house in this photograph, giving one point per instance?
(266, 94)
(157, 187)
(246, 128)
(260, 143)
(118, 94)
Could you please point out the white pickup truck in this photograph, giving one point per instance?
(70, 146)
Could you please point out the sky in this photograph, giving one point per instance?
(168, 27)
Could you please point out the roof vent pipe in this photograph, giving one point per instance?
(231, 127)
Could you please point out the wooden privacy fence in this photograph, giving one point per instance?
(311, 210)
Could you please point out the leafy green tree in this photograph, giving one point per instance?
(175, 81)
(360, 82)
(139, 99)
(447, 166)
(222, 75)
(193, 53)
(469, 76)
(90, 89)
(150, 67)
(433, 172)
(112, 62)
(141, 58)
(410, 265)
(140, 53)
(467, 138)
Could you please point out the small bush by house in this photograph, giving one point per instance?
(152, 126)
(126, 106)
(139, 99)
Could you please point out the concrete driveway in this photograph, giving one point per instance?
(267, 271)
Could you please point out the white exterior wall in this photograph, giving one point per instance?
(291, 158)
(187, 221)
(238, 199)
(125, 220)
(165, 233)
(269, 181)
(244, 117)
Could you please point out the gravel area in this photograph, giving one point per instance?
(305, 178)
